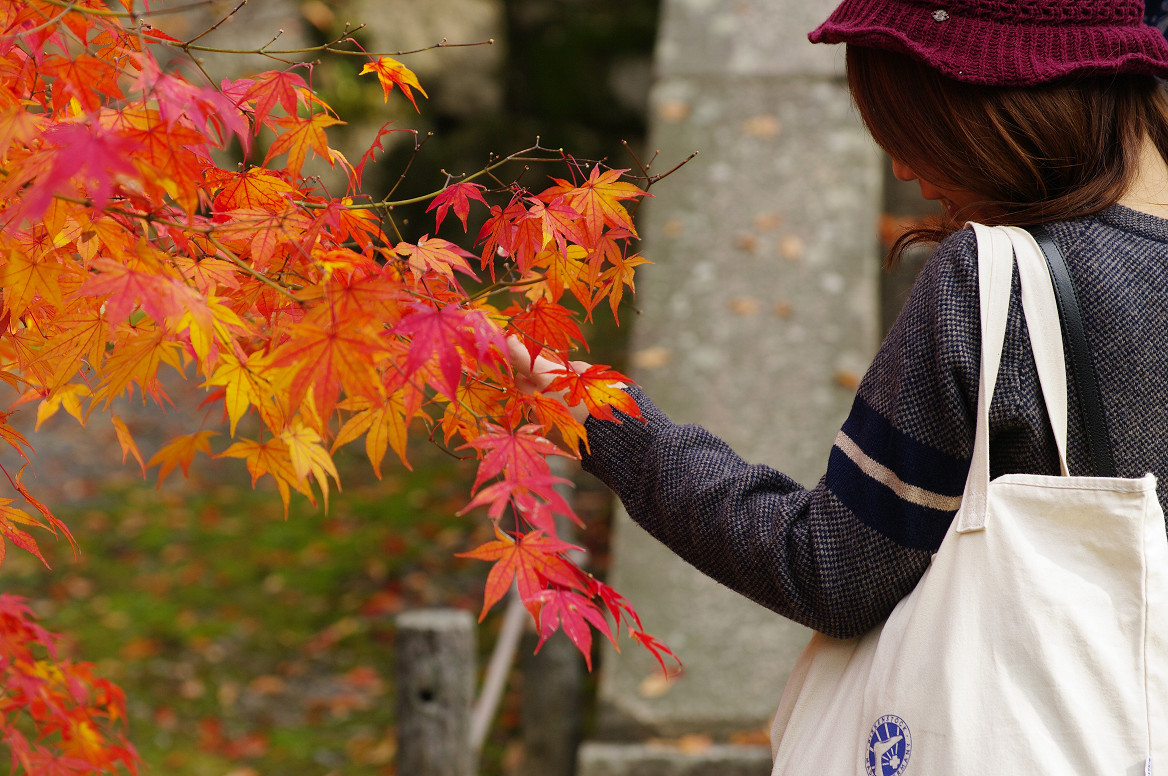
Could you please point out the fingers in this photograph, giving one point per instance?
(538, 373)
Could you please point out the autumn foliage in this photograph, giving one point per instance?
(130, 251)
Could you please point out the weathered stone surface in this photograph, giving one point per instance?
(607, 759)
(744, 38)
(760, 307)
(758, 318)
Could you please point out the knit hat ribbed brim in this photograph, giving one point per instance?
(1006, 42)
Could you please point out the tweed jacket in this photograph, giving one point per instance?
(839, 556)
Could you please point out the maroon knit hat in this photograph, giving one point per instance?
(1005, 42)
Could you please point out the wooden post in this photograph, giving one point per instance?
(552, 706)
(435, 691)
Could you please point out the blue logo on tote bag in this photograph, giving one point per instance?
(889, 747)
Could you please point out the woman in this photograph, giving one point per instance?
(1044, 111)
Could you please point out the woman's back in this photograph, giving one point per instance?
(1119, 262)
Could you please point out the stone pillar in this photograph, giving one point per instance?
(758, 317)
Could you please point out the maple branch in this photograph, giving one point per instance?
(324, 48)
(672, 170)
(128, 14)
(501, 285)
(227, 252)
(409, 163)
(651, 179)
(393, 223)
(386, 204)
(637, 160)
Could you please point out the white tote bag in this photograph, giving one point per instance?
(1036, 642)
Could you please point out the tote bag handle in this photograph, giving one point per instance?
(998, 247)
(1082, 368)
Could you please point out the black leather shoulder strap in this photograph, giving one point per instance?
(1081, 367)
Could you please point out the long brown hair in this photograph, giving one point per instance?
(1035, 154)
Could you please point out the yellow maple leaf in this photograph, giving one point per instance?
(243, 381)
(68, 397)
(308, 456)
(271, 458)
(181, 452)
(383, 426)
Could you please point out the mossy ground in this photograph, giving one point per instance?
(247, 643)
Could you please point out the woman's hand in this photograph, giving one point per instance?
(538, 375)
(530, 376)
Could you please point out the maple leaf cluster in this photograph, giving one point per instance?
(67, 708)
(128, 253)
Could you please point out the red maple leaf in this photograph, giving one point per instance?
(275, 87)
(84, 153)
(202, 106)
(658, 650)
(545, 325)
(497, 234)
(439, 335)
(386, 129)
(558, 221)
(512, 452)
(519, 456)
(531, 561)
(458, 197)
(572, 612)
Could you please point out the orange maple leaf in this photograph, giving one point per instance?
(597, 200)
(434, 254)
(327, 358)
(180, 452)
(390, 72)
(301, 135)
(594, 387)
(82, 77)
(126, 440)
(255, 188)
(617, 277)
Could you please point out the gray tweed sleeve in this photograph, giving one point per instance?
(836, 557)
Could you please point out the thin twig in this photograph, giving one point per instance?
(230, 255)
(186, 46)
(324, 48)
(134, 14)
(405, 171)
